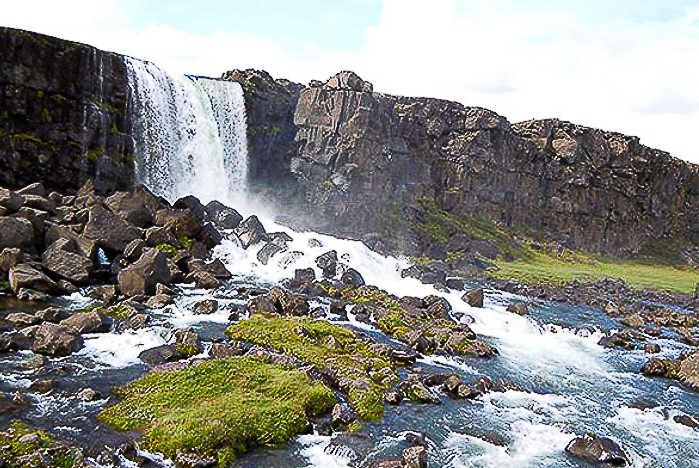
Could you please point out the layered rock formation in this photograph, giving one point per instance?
(364, 160)
(64, 115)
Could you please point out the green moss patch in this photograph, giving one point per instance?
(360, 372)
(218, 407)
(19, 446)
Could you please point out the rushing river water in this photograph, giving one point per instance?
(559, 381)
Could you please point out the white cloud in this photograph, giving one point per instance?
(536, 62)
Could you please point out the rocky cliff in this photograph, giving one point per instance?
(64, 114)
(429, 173)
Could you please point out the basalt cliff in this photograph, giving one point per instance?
(415, 175)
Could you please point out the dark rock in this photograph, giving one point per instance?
(224, 350)
(25, 276)
(251, 231)
(105, 293)
(142, 277)
(15, 233)
(456, 283)
(288, 303)
(223, 216)
(474, 297)
(112, 232)
(134, 249)
(686, 420)
(328, 263)
(305, 275)
(415, 457)
(597, 450)
(155, 236)
(203, 279)
(36, 189)
(425, 274)
(61, 259)
(651, 348)
(353, 278)
(159, 301)
(342, 416)
(52, 314)
(21, 319)
(268, 251)
(160, 355)
(209, 236)
(192, 203)
(418, 392)
(11, 201)
(437, 306)
(394, 397)
(9, 257)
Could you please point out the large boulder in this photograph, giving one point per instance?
(55, 340)
(111, 231)
(288, 303)
(142, 277)
(25, 276)
(689, 370)
(11, 201)
(599, 451)
(62, 259)
(327, 262)
(474, 297)
(89, 321)
(8, 258)
(251, 231)
(223, 216)
(15, 233)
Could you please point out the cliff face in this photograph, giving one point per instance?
(64, 115)
(365, 161)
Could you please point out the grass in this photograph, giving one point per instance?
(654, 267)
(326, 346)
(218, 407)
(17, 453)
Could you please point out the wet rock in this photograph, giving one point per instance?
(134, 321)
(451, 385)
(15, 233)
(437, 306)
(89, 321)
(288, 303)
(37, 361)
(193, 460)
(304, 275)
(25, 294)
(182, 222)
(251, 231)
(392, 462)
(210, 236)
(263, 305)
(327, 262)
(519, 308)
(88, 394)
(651, 348)
(403, 357)
(134, 249)
(11, 201)
(474, 297)
(597, 450)
(61, 259)
(159, 301)
(425, 274)
(618, 340)
(415, 457)
(224, 350)
(138, 208)
(42, 386)
(205, 307)
(25, 276)
(188, 342)
(634, 321)
(457, 284)
(686, 420)
(268, 251)
(105, 293)
(203, 279)
(353, 278)
(160, 355)
(55, 340)
(342, 416)
(155, 236)
(223, 216)
(110, 230)
(21, 319)
(418, 392)
(689, 370)
(394, 397)
(142, 277)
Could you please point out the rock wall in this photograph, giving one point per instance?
(363, 161)
(64, 114)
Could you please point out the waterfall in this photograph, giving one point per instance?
(190, 134)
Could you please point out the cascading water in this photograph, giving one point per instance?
(190, 134)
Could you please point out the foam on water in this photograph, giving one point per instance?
(315, 452)
(120, 349)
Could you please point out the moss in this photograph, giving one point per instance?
(27, 137)
(324, 345)
(119, 311)
(392, 324)
(218, 407)
(94, 154)
(166, 248)
(46, 116)
(17, 453)
(186, 349)
(186, 242)
(364, 295)
(271, 130)
(4, 285)
(105, 106)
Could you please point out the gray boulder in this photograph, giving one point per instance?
(597, 450)
(25, 276)
(223, 216)
(89, 321)
(55, 340)
(474, 297)
(15, 233)
(251, 231)
(111, 231)
(61, 258)
(142, 277)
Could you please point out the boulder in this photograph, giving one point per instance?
(205, 307)
(437, 306)
(210, 236)
(418, 392)
(36, 189)
(597, 450)
(111, 231)
(38, 203)
(55, 340)
(142, 277)
(192, 203)
(183, 223)
(519, 308)
(52, 314)
(353, 278)
(342, 416)
(474, 297)
(203, 279)
(11, 201)
(689, 370)
(455, 283)
(415, 457)
(15, 233)
(304, 275)
(160, 355)
(288, 303)
(268, 251)
(159, 301)
(225, 350)
(89, 321)
(9, 257)
(223, 216)
(425, 274)
(328, 263)
(134, 249)
(60, 258)
(251, 231)
(132, 208)
(21, 319)
(25, 276)
(156, 235)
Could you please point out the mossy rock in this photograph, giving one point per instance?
(218, 407)
(20, 447)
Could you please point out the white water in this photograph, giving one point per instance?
(189, 133)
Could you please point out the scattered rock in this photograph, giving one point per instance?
(474, 297)
(205, 307)
(21, 319)
(223, 216)
(25, 276)
(55, 340)
(415, 457)
(353, 278)
(142, 277)
(686, 420)
(15, 233)
(88, 394)
(61, 258)
(327, 262)
(597, 450)
(519, 308)
(251, 231)
(342, 416)
(89, 321)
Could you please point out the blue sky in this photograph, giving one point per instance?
(623, 65)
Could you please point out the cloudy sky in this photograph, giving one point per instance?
(625, 65)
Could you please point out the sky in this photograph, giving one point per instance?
(625, 65)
